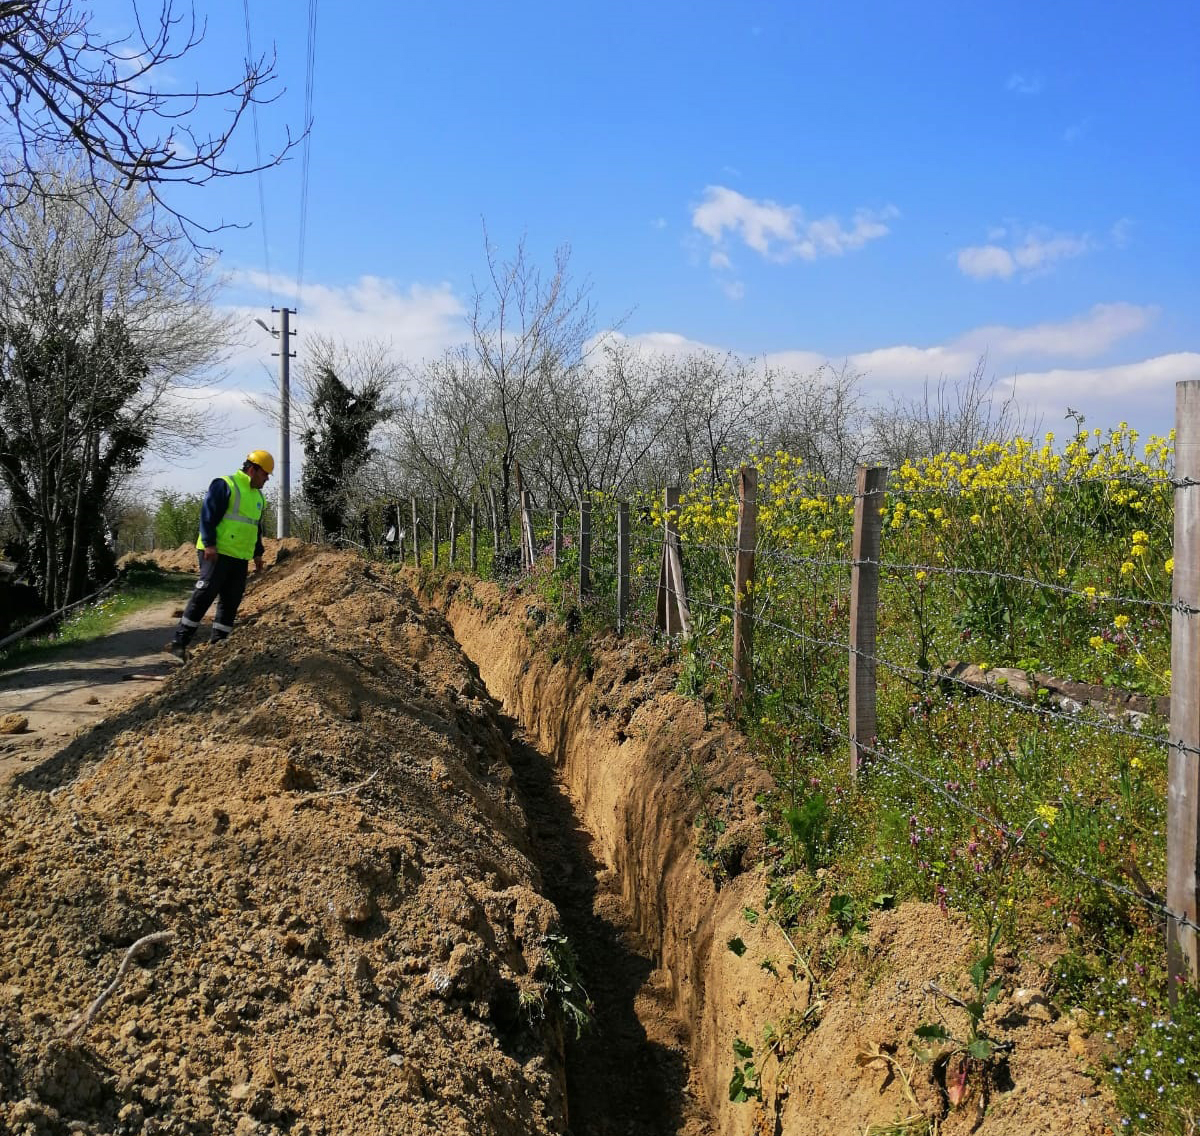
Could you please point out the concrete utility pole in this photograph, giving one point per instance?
(285, 425)
(284, 459)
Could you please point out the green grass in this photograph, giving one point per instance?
(140, 586)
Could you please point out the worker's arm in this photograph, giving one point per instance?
(216, 502)
(258, 550)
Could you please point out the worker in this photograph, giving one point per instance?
(230, 537)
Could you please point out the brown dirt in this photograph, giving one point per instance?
(367, 866)
(351, 955)
(639, 761)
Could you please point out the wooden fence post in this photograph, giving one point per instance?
(528, 552)
(870, 484)
(622, 565)
(433, 531)
(558, 536)
(671, 605)
(1183, 761)
(743, 585)
(474, 538)
(585, 547)
(416, 536)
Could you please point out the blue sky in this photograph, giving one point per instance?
(899, 186)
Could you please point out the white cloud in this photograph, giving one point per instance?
(1019, 250)
(782, 232)
(1122, 232)
(984, 261)
(1142, 391)
(1033, 361)
(1086, 336)
(658, 343)
(1021, 84)
(420, 321)
(1083, 337)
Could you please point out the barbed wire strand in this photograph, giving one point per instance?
(1007, 828)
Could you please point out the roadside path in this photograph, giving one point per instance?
(79, 686)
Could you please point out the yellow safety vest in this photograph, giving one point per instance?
(237, 532)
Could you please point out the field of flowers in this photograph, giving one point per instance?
(1043, 827)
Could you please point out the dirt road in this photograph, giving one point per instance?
(81, 685)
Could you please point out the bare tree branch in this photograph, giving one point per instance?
(68, 89)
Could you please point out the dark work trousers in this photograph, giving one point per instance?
(224, 580)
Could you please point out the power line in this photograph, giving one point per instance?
(262, 201)
(310, 66)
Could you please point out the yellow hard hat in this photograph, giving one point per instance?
(262, 459)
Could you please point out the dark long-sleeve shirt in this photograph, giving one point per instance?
(216, 503)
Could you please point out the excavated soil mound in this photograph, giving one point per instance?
(315, 822)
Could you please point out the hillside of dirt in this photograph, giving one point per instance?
(316, 820)
(361, 868)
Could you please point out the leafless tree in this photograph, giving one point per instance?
(954, 415)
(817, 417)
(527, 332)
(720, 406)
(483, 406)
(598, 424)
(70, 90)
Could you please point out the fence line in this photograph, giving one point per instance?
(674, 602)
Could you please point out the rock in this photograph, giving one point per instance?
(14, 724)
(1033, 1004)
(296, 777)
(1076, 1044)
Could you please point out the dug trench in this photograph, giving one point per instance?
(369, 900)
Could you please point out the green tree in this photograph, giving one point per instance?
(66, 438)
(337, 442)
(95, 339)
(176, 519)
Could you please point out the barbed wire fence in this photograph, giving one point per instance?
(627, 567)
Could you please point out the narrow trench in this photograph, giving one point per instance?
(629, 1074)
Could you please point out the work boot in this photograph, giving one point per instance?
(178, 650)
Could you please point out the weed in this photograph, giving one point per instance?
(563, 988)
(746, 1082)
